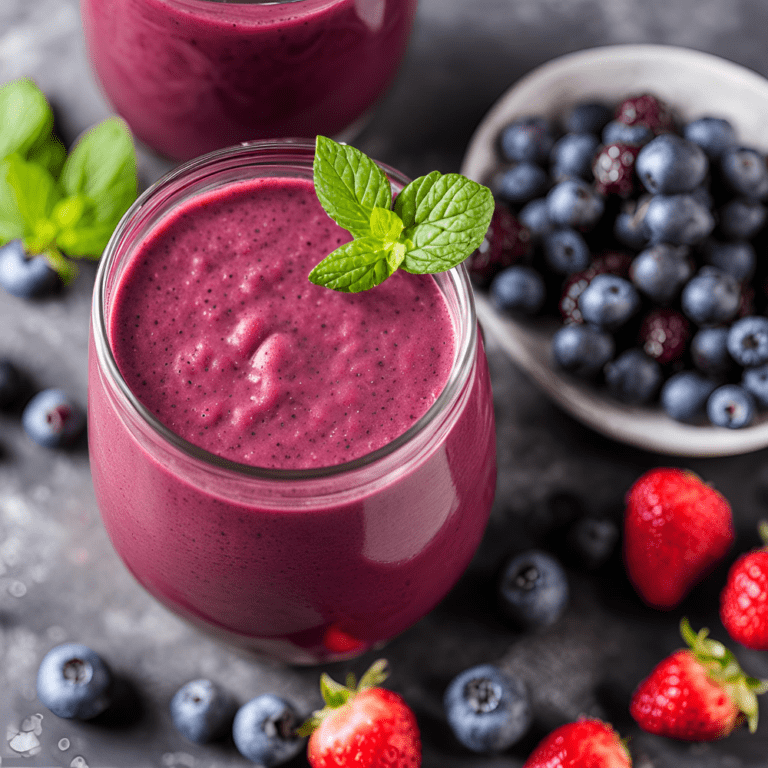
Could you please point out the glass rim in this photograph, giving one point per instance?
(457, 277)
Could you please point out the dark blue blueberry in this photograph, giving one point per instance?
(521, 183)
(735, 258)
(518, 288)
(535, 218)
(621, 133)
(633, 377)
(684, 395)
(671, 165)
(202, 711)
(744, 169)
(591, 540)
(52, 419)
(25, 276)
(588, 117)
(74, 682)
(582, 349)
(731, 406)
(574, 203)
(741, 218)
(755, 381)
(748, 341)
(629, 225)
(566, 251)
(572, 155)
(703, 196)
(677, 219)
(264, 730)
(528, 139)
(487, 709)
(711, 297)
(709, 351)
(533, 589)
(661, 271)
(608, 301)
(713, 134)
(11, 383)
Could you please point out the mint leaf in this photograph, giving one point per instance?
(11, 222)
(386, 225)
(354, 267)
(33, 189)
(26, 118)
(349, 185)
(51, 154)
(445, 217)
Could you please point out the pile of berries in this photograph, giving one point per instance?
(642, 234)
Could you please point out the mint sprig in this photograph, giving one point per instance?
(435, 223)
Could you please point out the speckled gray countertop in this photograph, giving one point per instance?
(60, 580)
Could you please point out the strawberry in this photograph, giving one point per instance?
(587, 743)
(362, 725)
(744, 599)
(676, 527)
(697, 694)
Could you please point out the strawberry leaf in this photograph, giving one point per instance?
(334, 694)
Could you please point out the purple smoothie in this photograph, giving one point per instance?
(307, 559)
(190, 76)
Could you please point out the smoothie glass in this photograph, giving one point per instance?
(303, 565)
(191, 76)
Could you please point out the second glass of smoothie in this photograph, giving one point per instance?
(304, 472)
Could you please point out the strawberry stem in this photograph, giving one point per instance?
(762, 529)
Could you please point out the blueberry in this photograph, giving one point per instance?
(572, 155)
(588, 117)
(535, 218)
(755, 381)
(711, 297)
(684, 395)
(629, 225)
(709, 351)
(670, 165)
(529, 139)
(592, 540)
(487, 709)
(731, 406)
(533, 589)
(677, 219)
(518, 288)
(748, 341)
(574, 203)
(202, 711)
(661, 271)
(521, 183)
(713, 134)
(23, 275)
(74, 682)
(741, 218)
(633, 377)
(264, 730)
(566, 251)
(616, 132)
(736, 258)
(11, 383)
(52, 419)
(582, 349)
(745, 171)
(608, 301)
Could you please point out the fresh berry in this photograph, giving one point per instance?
(614, 169)
(11, 383)
(755, 381)
(535, 218)
(671, 165)
(744, 599)
(646, 109)
(709, 351)
(529, 139)
(566, 251)
(73, 681)
(677, 219)
(711, 297)
(713, 134)
(572, 155)
(735, 258)
(533, 589)
(684, 395)
(731, 406)
(676, 528)
(609, 301)
(522, 183)
(588, 117)
(582, 349)
(616, 132)
(591, 540)
(506, 243)
(697, 694)
(745, 170)
(741, 218)
(661, 271)
(23, 275)
(629, 225)
(587, 743)
(488, 710)
(747, 341)
(265, 731)
(363, 725)
(518, 289)
(610, 262)
(52, 419)
(574, 203)
(664, 335)
(633, 377)
(202, 711)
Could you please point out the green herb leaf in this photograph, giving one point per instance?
(353, 267)
(26, 118)
(34, 192)
(11, 221)
(51, 154)
(386, 225)
(349, 185)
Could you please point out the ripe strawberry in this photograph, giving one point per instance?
(697, 694)
(587, 743)
(744, 600)
(676, 528)
(362, 725)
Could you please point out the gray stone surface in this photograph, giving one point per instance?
(59, 579)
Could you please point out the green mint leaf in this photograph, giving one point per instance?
(385, 225)
(26, 118)
(349, 185)
(51, 154)
(11, 222)
(354, 267)
(66, 269)
(445, 217)
(34, 192)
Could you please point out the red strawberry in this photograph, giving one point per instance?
(676, 527)
(697, 694)
(744, 600)
(587, 743)
(362, 725)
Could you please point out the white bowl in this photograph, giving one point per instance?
(695, 84)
